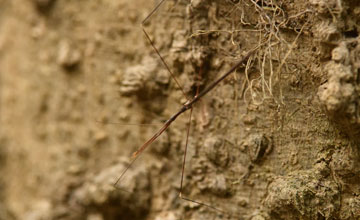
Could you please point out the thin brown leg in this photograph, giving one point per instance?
(157, 51)
(152, 12)
(164, 62)
(184, 161)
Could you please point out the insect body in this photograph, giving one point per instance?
(185, 107)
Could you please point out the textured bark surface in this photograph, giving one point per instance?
(278, 139)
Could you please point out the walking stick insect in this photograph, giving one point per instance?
(188, 105)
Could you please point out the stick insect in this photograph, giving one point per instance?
(188, 105)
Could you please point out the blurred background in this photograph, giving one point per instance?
(81, 89)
